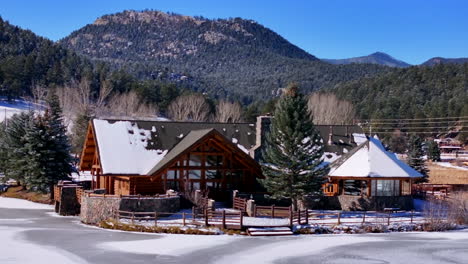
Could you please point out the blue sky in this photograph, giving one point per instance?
(411, 30)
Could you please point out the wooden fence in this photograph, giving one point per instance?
(163, 218)
(224, 219)
(130, 196)
(272, 211)
(305, 217)
(240, 204)
(220, 219)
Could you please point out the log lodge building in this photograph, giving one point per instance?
(131, 157)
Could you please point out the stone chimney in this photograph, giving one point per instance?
(262, 127)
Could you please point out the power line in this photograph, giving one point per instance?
(405, 128)
(416, 122)
(418, 132)
(427, 118)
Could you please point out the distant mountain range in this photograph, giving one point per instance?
(379, 58)
(236, 58)
(384, 59)
(440, 60)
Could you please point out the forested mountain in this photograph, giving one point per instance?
(415, 92)
(227, 57)
(440, 60)
(374, 58)
(27, 59)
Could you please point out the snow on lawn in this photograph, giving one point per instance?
(449, 165)
(13, 249)
(8, 109)
(173, 245)
(22, 204)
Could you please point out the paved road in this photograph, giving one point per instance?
(83, 244)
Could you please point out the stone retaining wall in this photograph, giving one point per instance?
(95, 209)
(354, 203)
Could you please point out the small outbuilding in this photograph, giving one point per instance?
(372, 171)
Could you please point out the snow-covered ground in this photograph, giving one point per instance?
(42, 238)
(21, 204)
(450, 165)
(8, 109)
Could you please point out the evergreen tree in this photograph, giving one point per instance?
(292, 161)
(13, 147)
(433, 151)
(415, 156)
(59, 166)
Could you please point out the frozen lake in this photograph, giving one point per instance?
(32, 233)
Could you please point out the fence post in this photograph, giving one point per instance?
(412, 213)
(155, 218)
(389, 215)
(241, 217)
(206, 216)
(183, 218)
(364, 218)
(273, 211)
(224, 219)
(193, 214)
(299, 217)
(339, 218)
(133, 218)
(307, 216)
(291, 218)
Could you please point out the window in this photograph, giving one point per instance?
(194, 174)
(214, 161)
(195, 160)
(354, 187)
(385, 188)
(213, 174)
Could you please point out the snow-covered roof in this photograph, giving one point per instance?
(370, 159)
(135, 147)
(123, 148)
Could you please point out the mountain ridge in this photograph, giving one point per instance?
(235, 58)
(378, 57)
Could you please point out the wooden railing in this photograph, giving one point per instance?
(304, 217)
(162, 218)
(224, 219)
(239, 204)
(272, 211)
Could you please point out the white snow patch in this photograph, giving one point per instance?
(234, 140)
(359, 138)
(14, 203)
(173, 245)
(122, 148)
(449, 165)
(243, 148)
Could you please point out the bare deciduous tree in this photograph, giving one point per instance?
(191, 107)
(39, 93)
(327, 109)
(129, 105)
(228, 112)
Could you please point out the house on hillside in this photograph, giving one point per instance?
(370, 171)
(131, 157)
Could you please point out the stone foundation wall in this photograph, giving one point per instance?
(96, 209)
(357, 203)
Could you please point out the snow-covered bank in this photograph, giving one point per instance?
(14, 203)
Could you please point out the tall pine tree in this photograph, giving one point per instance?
(433, 151)
(415, 156)
(292, 161)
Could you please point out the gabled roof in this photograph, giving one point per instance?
(191, 140)
(188, 141)
(370, 159)
(131, 147)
